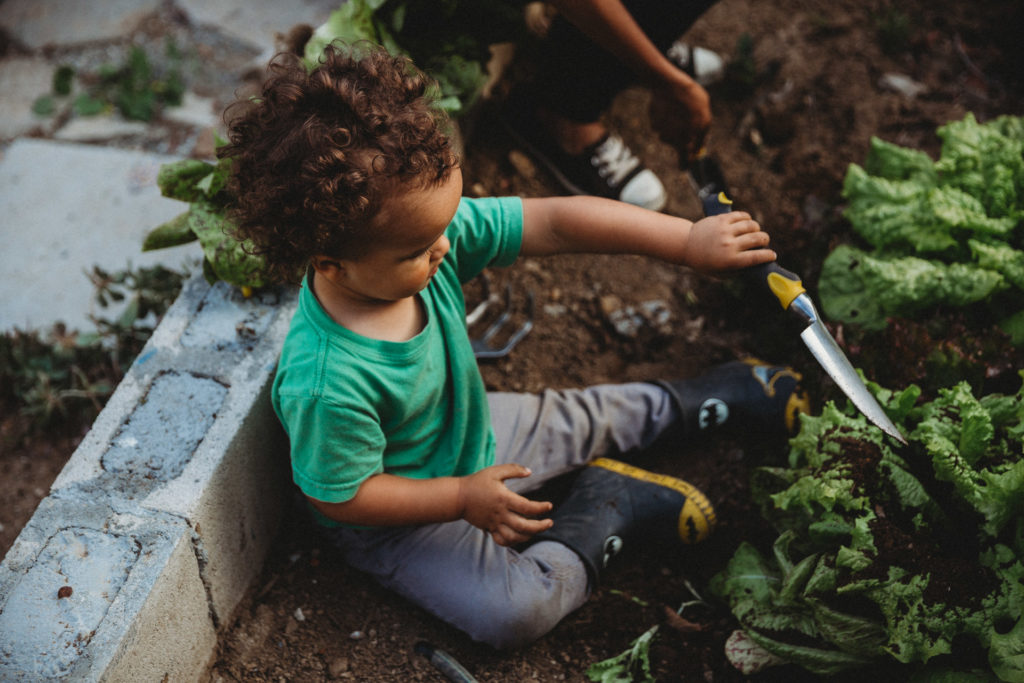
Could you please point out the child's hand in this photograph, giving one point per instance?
(487, 504)
(727, 241)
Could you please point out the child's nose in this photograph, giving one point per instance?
(441, 247)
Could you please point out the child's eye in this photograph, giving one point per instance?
(416, 255)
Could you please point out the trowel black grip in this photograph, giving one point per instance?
(783, 285)
(716, 203)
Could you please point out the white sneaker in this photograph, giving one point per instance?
(623, 172)
(703, 65)
(608, 168)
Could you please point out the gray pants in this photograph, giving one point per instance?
(498, 595)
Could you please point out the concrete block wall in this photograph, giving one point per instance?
(161, 519)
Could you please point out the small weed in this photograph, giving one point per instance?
(137, 89)
(893, 29)
(63, 378)
(742, 69)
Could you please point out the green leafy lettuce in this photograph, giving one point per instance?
(946, 232)
(202, 185)
(449, 39)
(891, 553)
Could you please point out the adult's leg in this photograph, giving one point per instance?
(578, 79)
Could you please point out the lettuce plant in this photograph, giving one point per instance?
(946, 232)
(201, 185)
(890, 554)
(453, 51)
(449, 39)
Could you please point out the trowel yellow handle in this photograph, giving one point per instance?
(784, 285)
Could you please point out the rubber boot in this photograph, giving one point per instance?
(751, 397)
(612, 505)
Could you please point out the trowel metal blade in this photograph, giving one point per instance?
(827, 352)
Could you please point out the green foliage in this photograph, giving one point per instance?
(893, 29)
(63, 79)
(44, 105)
(63, 378)
(892, 554)
(941, 233)
(87, 105)
(137, 89)
(634, 663)
(201, 185)
(742, 68)
(449, 39)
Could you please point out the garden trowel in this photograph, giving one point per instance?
(789, 290)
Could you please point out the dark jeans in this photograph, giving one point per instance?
(578, 78)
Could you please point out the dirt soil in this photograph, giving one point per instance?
(784, 141)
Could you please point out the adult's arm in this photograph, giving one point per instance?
(680, 107)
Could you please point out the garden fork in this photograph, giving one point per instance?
(483, 347)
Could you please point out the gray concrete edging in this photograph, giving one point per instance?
(158, 524)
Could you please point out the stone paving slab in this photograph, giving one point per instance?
(22, 81)
(258, 23)
(41, 23)
(66, 207)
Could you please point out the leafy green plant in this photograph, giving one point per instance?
(942, 233)
(892, 26)
(201, 185)
(454, 55)
(634, 663)
(136, 88)
(890, 554)
(741, 70)
(63, 378)
(449, 39)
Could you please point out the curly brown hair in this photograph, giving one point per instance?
(317, 152)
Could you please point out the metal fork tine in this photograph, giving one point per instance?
(489, 299)
(502, 319)
(525, 328)
(481, 346)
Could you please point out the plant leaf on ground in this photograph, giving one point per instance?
(63, 378)
(138, 89)
(634, 663)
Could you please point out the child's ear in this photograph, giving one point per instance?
(328, 267)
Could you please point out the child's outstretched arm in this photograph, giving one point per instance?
(558, 225)
(482, 499)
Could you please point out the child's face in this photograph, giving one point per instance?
(404, 262)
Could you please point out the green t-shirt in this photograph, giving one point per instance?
(354, 406)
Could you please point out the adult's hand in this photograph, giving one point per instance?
(680, 114)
